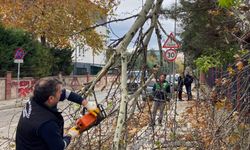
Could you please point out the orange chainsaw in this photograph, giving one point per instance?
(88, 120)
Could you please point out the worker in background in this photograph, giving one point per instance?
(161, 91)
(188, 80)
(41, 125)
(180, 86)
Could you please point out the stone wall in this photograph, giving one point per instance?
(8, 85)
(2, 86)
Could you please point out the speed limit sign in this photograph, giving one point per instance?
(170, 55)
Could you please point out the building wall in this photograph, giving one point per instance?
(85, 54)
(83, 58)
(86, 68)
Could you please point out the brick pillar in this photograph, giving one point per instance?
(202, 78)
(8, 85)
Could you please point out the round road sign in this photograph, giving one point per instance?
(19, 53)
(170, 55)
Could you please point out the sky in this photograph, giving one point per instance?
(132, 7)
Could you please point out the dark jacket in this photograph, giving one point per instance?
(161, 90)
(188, 80)
(180, 83)
(41, 128)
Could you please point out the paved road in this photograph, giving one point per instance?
(8, 123)
(10, 115)
(9, 118)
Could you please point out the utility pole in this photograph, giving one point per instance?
(174, 95)
(75, 68)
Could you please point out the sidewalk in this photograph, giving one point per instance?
(12, 103)
(15, 103)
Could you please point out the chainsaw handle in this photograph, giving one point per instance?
(84, 110)
(99, 106)
(100, 116)
(102, 111)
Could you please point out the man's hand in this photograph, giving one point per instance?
(84, 102)
(92, 109)
(73, 132)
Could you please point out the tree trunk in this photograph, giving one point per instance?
(159, 44)
(122, 49)
(43, 40)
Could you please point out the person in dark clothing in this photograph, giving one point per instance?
(161, 90)
(180, 86)
(41, 125)
(188, 80)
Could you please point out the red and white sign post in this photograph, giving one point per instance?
(170, 44)
(171, 54)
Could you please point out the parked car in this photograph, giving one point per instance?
(173, 80)
(148, 92)
(134, 80)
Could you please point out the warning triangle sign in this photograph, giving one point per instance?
(171, 42)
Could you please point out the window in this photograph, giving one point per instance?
(81, 71)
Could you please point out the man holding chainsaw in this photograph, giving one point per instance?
(41, 125)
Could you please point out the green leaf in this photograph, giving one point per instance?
(226, 3)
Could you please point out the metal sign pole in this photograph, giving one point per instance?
(175, 98)
(173, 79)
(18, 74)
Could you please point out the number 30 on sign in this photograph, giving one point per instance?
(170, 55)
